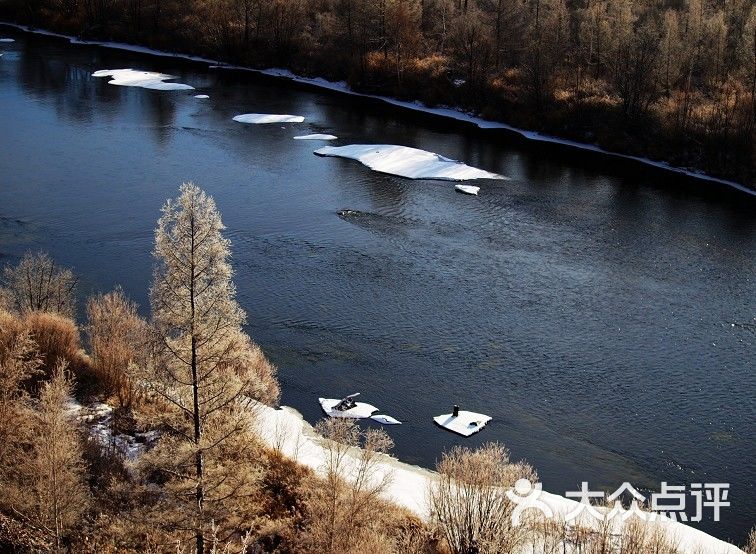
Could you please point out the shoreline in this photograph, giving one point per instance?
(416, 106)
(286, 431)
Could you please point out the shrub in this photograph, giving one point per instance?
(469, 502)
(57, 338)
(118, 339)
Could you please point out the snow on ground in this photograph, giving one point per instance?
(144, 79)
(260, 118)
(316, 136)
(201, 96)
(286, 431)
(407, 162)
(98, 419)
(343, 87)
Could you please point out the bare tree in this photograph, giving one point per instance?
(38, 284)
(200, 347)
(469, 503)
(343, 505)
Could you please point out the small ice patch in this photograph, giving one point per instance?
(7, 40)
(404, 161)
(144, 79)
(258, 118)
(467, 189)
(201, 96)
(385, 419)
(316, 136)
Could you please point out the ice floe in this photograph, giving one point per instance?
(462, 422)
(201, 96)
(385, 419)
(316, 136)
(404, 161)
(347, 407)
(7, 40)
(260, 118)
(144, 79)
(467, 189)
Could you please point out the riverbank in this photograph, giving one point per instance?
(342, 87)
(286, 431)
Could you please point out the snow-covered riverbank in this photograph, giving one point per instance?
(446, 112)
(286, 430)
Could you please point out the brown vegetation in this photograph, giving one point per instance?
(469, 501)
(672, 80)
(219, 489)
(118, 341)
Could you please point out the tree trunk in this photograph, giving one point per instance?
(195, 390)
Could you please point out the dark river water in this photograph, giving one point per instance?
(585, 304)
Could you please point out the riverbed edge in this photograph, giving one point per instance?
(442, 112)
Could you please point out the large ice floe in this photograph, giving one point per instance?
(316, 136)
(259, 118)
(7, 40)
(404, 161)
(144, 79)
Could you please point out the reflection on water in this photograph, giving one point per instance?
(586, 305)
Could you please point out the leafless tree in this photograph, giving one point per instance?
(38, 284)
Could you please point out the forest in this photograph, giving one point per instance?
(670, 80)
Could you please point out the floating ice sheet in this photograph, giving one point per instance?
(259, 118)
(201, 96)
(385, 419)
(404, 161)
(144, 79)
(360, 410)
(465, 423)
(316, 136)
(467, 189)
(7, 40)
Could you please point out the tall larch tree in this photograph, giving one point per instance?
(200, 371)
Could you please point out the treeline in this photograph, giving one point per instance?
(667, 79)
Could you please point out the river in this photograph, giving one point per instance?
(587, 304)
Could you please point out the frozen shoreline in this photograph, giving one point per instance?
(286, 431)
(446, 112)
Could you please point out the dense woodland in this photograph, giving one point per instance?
(672, 80)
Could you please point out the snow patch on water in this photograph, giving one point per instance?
(144, 79)
(316, 136)
(261, 118)
(404, 161)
